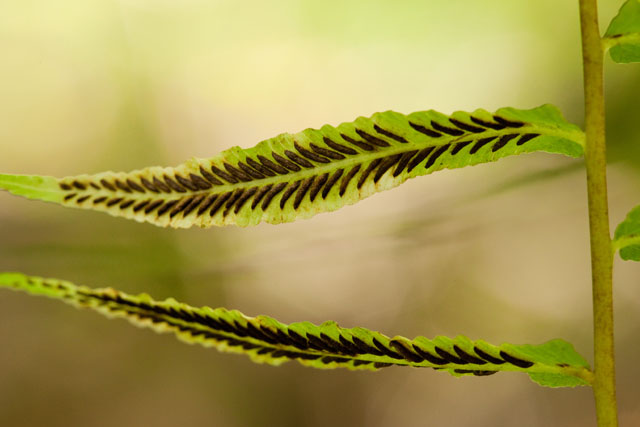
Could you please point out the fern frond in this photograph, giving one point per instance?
(265, 340)
(296, 176)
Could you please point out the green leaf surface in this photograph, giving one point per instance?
(622, 38)
(325, 346)
(627, 236)
(295, 176)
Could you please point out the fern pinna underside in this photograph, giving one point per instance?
(265, 340)
(294, 176)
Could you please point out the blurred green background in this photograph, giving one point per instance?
(498, 252)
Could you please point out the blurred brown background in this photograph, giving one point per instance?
(498, 252)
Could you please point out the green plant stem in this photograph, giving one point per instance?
(604, 387)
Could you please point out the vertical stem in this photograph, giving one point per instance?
(604, 387)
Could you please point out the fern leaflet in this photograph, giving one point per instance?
(295, 176)
(627, 236)
(265, 340)
(622, 38)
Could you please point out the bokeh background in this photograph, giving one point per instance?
(498, 252)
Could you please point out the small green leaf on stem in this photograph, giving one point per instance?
(623, 35)
(627, 236)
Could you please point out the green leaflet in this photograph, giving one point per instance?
(622, 38)
(265, 340)
(294, 176)
(627, 236)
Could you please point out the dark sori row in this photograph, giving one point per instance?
(197, 324)
(262, 195)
